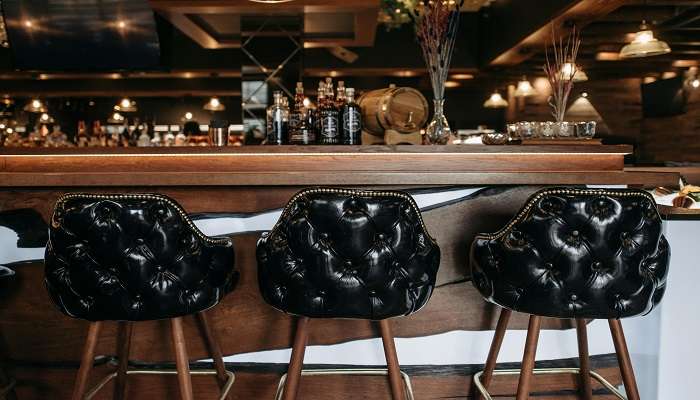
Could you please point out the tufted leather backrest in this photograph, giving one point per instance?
(342, 253)
(133, 257)
(576, 253)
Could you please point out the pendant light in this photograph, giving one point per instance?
(116, 118)
(214, 104)
(35, 106)
(644, 44)
(524, 88)
(126, 105)
(579, 75)
(46, 119)
(496, 101)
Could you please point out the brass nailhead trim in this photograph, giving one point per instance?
(547, 192)
(138, 196)
(354, 192)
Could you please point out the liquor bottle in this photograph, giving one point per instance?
(301, 127)
(297, 112)
(340, 97)
(144, 139)
(320, 98)
(328, 113)
(330, 93)
(277, 121)
(351, 119)
(82, 139)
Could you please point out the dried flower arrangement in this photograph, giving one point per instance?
(560, 68)
(436, 24)
(436, 28)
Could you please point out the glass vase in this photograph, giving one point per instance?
(438, 130)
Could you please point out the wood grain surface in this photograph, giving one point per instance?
(36, 336)
(324, 165)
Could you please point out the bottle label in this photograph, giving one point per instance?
(352, 120)
(329, 124)
(295, 119)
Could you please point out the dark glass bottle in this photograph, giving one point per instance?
(329, 116)
(351, 117)
(277, 121)
(297, 113)
(301, 127)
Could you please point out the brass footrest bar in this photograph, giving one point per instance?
(348, 371)
(105, 380)
(546, 371)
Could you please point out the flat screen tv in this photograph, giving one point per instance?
(87, 35)
(664, 98)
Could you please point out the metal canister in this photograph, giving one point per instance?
(218, 133)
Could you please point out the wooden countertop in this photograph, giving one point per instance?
(323, 165)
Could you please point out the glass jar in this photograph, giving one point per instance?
(564, 129)
(585, 130)
(527, 130)
(546, 129)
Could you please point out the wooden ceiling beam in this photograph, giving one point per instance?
(534, 37)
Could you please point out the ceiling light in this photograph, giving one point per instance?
(668, 75)
(462, 77)
(644, 44)
(126, 105)
(496, 101)
(46, 119)
(451, 84)
(579, 75)
(188, 116)
(214, 104)
(116, 118)
(695, 83)
(35, 106)
(584, 94)
(28, 24)
(524, 88)
(607, 56)
(121, 24)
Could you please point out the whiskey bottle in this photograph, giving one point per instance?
(340, 97)
(320, 98)
(328, 114)
(297, 112)
(351, 119)
(302, 131)
(277, 121)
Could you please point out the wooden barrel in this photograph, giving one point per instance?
(401, 109)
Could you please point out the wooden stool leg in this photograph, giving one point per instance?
(181, 360)
(214, 349)
(496, 343)
(123, 345)
(291, 387)
(623, 358)
(533, 334)
(87, 360)
(584, 361)
(392, 360)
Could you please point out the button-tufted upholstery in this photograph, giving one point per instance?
(133, 257)
(342, 253)
(576, 253)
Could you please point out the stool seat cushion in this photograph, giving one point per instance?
(341, 253)
(133, 257)
(576, 253)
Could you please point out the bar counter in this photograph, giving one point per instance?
(462, 190)
(324, 165)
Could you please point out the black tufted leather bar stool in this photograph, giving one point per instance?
(7, 383)
(576, 254)
(340, 253)
(136, 257)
